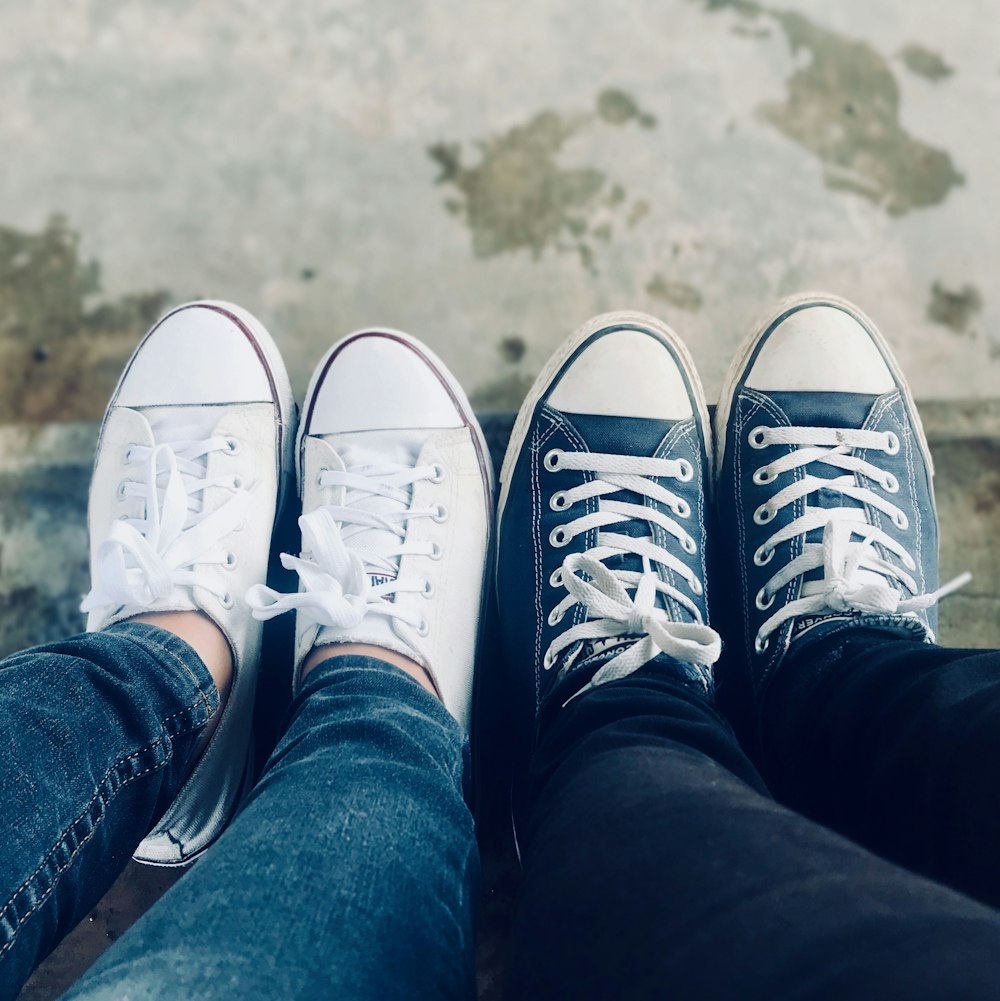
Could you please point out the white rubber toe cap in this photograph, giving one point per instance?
(820, 348)
(381, 380)
(625, 373)
(197, 354)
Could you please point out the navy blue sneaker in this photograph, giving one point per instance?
(823, 485)
(601, 543)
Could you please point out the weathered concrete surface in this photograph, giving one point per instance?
(476, 172)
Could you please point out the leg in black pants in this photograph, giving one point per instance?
(895, 744)
(657, 865)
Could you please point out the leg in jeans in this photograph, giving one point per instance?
(352, 870)
(896, 744)
(656, 865)
(100, 733)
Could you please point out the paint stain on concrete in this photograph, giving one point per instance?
(954, 308)
(512, 349)
(843, 106)
(678, 294)
(502, 395)
(61, 353)
(617, 107)
(925, 63)
(518, 196)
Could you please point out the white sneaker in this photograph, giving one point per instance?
(191, 459)
(397, 502)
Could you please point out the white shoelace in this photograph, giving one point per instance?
(855, 577)
(611, 610)
(144, 559)
(344, 545)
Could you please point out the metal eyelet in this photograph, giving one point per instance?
(428, 589)
(757, 437)
(237, 482)
(436, 551)
(760, 645)
(890, 483)
(121, 491)
(440, 514)
(682, 509)
(558, 501)
(127, 455)
(226, 600)
(901, 521)
(438, 475)
(689, 545)
(762, 601)
(891, 443)
(319, 478)
(696, 588)
(231, 561)
(551, 460)
(232, 446)
(763, 515)
(762, 556)
(763, 476)
(422, 628)
(685, 471)
(559, 537)
(556, 577)
(555, 617)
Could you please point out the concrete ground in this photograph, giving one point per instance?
(485, 175)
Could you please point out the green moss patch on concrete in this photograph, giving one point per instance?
(518, 196)
(843, 106)
(954, 308)
(512, 349)
(61, 353)
(617, 107)
(925, 63)
(678, 294)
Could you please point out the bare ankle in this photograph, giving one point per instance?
(320, 654)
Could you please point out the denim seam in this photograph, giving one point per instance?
(204, 696)
(98, 795)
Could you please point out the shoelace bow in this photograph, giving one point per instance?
(336, 565)
(143, 559)
(611, 610)
(856, 578)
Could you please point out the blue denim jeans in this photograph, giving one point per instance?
(351, 871)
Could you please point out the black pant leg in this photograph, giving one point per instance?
(896, 744)
(656, 866)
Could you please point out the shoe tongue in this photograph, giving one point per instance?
(171, 425)
(373, 453)
(590, 655)
(836, 410)
(643, 436)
